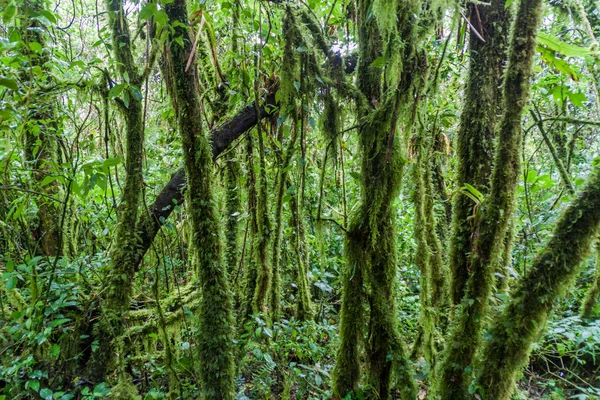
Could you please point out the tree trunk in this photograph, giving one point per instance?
(215, 315)
(476, 134)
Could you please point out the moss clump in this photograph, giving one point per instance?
(124, 390)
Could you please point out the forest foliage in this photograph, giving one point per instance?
(351, 199)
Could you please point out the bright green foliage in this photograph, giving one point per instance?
(551, 275)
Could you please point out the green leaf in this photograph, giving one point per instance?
(49, 16)
(47, 180)
(379, 62)
(148, 11)
(577, 98)
(35, 47)
(9, 83)
(554, 43)
(136, 93)
(11, 283)
(55, 350)
(34, 385)
(508, 3)
(46, 394)
(9, 12)
(477, 195)
(116, 90)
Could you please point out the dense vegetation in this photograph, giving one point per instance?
(355, 199)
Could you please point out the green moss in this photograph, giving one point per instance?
(304, 307)
(465, 336)
(422, 261)
(124, 390)
(214, 336)
(477, 131)
(551, 275)
(233, 208)
(592, 297)
(122, 267)
(250, 273)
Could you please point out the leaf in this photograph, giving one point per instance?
(476, 193)
(55, 350)
(35, 47)
(116, 90)
(9, 12)
(34, 385)
(49, 16)
(148, 11)
(508, 3)
(46, 394)
(49, 179)
(136, 93)
(554, 43)
(379, 62)
(11, 283)
(9, 83)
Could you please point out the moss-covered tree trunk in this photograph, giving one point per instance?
(123, 254)
(40, 133)
(370, 244)
(233, 208)
(592, 297)
(215, 318)
(463, 343)
(552, 273)
(475, 139)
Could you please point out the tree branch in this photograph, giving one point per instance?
(151, 221)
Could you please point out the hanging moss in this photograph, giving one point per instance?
(422, 261)
(552, 273)
(215, 331)
(289, 67)
(478, 120)
(465, 337)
